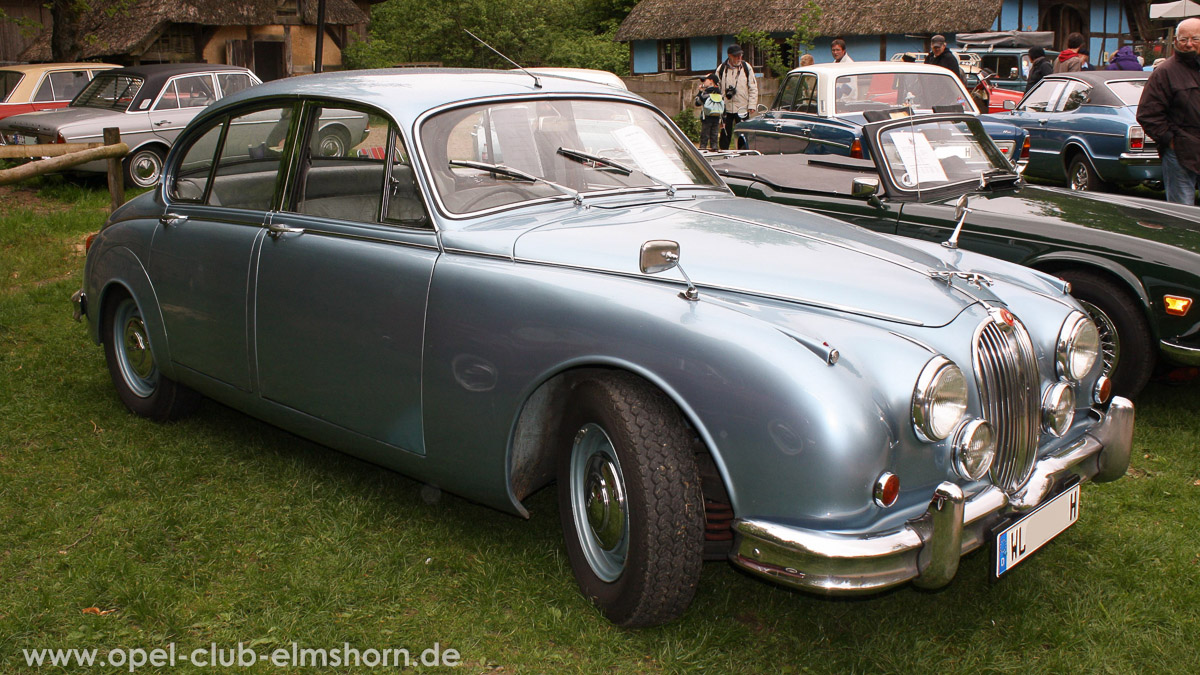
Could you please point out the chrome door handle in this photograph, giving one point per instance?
(275, 229)
(162, 122)
(168, 219)
(1043, 122)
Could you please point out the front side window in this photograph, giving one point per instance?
(1043, 94)
(498, 154)
(232, 83)
(109, 92)
(880, 91)
(250, 157)
(806, 97)
(191, 177)
(787, 94)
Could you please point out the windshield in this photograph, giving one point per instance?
(8, 82)
(1129, 91)
(934, 154)
(526, 137)
(880, 91)
(109, 92)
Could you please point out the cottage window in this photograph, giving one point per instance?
(673, 55)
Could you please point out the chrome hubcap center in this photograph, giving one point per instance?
(605, 502)
(137, 348)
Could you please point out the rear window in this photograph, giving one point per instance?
(110, 92)
(1129, 91)
(8, 82)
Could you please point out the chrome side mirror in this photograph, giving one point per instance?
(762, 108)
(1012, 73)
(1010, 104)
(864, 188)
(658, 256)
(960, 207)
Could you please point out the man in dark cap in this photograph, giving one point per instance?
(940, 56)
(1039, 66)
(738, 84)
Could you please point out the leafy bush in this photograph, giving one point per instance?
(689, 124)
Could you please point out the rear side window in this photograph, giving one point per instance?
(8, 82)
(232, 83)
(1075, 95)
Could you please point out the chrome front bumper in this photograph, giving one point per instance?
(927, 549)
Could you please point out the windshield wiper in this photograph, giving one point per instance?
(519, 175)
(625, 170)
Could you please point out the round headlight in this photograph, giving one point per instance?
(974, 449)
(1078, 347)
(939, 399)
(1058, 408)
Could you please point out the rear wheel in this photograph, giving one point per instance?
(1125, 337)
(1081, 176)
(140, 385)
(144, 167)
(629, 499)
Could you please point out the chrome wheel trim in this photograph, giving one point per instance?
(1079, 177)
(1110, 340)
(145, 168)
(132, 347)
(332, 145)
(598, 502)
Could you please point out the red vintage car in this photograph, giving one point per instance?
(43, 86)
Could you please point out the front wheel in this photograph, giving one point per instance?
(1125, 340)
(140, 385)
(629, 499)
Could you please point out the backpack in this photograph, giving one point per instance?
(714, 105)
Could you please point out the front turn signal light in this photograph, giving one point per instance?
(1177, 305)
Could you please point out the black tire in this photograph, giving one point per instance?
(140, 385)
(1082, 177)
(1124, 334)
(144, 167)
(637, 554)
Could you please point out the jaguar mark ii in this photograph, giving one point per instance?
(517, 280)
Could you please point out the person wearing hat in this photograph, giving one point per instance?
(940, 56)
(1039, 66)
(737, 82)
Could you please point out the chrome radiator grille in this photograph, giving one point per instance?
(1006, 371)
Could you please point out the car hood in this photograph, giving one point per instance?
(50, 122)
(762, 249)
(1148, 228)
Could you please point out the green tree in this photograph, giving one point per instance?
(801, 40)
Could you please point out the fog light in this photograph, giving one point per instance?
(974, 449)
(887, 489)
(1102, 390)
(1058, 408)
(1177, 305)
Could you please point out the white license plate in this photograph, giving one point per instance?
(1019, 540)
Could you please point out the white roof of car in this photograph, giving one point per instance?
(865, 67)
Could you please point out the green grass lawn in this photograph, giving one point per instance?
(223, 529)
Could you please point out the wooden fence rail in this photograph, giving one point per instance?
(61, 156)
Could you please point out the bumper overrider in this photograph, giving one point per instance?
(927, 549)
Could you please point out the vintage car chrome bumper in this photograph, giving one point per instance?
(1139, 158)
(927, 549)
(1180, 354)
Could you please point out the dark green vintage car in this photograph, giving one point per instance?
(1133, 263)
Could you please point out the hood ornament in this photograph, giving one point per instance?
(976, 279)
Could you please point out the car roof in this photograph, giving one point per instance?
(1101, 95)
(408, 92)
(40, 67)
(162, 70)
(866, 67)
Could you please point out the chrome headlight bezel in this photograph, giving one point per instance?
(932, 419)
(1058, 409)
(966, 440)
(1078, 347)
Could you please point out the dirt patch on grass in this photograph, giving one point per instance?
(17, 197)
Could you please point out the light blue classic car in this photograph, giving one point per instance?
(1083, 130)
(514, 280)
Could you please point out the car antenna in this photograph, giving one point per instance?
(536, 82)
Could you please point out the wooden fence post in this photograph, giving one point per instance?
(116, 178)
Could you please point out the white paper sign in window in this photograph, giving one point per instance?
(649, 157)
(921, 163)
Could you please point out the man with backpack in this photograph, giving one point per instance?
(712, 108)
(737, 82)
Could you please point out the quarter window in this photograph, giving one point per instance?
(191, 178)
(1075, 95)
